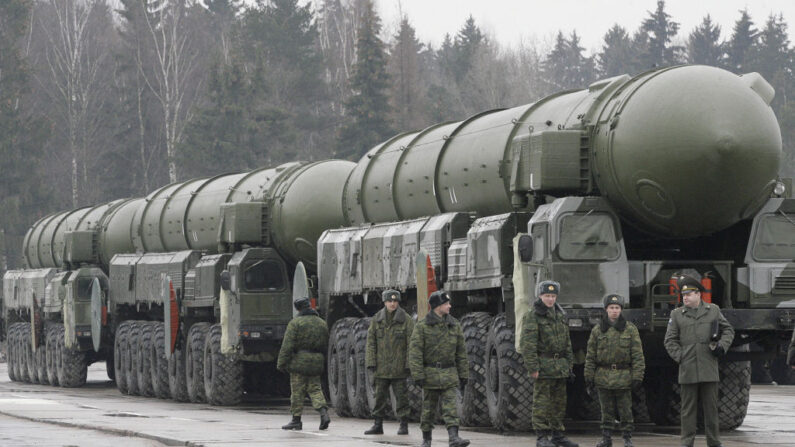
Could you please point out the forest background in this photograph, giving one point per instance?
(101, 101)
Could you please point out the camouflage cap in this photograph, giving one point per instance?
(390, 295)
(687, 284)
(301, 303)
(548, 286)
(438, 298)
(614, 299)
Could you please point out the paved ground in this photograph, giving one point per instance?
(97, 415)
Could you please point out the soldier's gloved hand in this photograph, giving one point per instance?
(462, 383)
(719, 351)
(637, 385)
(419, 382)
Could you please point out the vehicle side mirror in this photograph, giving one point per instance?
(226, 280)
(526, 248)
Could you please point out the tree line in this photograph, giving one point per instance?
(101, 101)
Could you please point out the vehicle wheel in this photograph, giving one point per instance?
(41, 363)
(336, 364)
(223, 374)
(158, 362)
(30, 355)
(194, 362)
(11, 343)
(72, 368)
(110, 368)
(131, 358)
(662, 395)
(509, 391)
(355, 372)
(474, 405)
(579, 405)
(120, 356)
(144, 368)
(640, 409)
(733, 393)
(176, 373)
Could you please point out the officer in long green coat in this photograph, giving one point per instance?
(387, 360)
(697, 336)
(438, 363)
(614, 364)
(303, 356)
(546, 348)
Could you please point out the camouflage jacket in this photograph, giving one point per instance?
(304, 345)
(388, 344)
(437, 353)
(545, 344)
(615, 355)
(687, 341)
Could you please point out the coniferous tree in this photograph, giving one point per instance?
(617, 53)
(467, 43)
(704, 46)
(368, 109)
(661, 30)
(566, 67)
(408, 86)
(740, 48)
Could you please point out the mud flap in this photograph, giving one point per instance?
(69, 338)
(170, 314)
(96, 314)
(230, 321)
(522, 291)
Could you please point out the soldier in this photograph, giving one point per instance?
(697, 336)
(438, 362)
(613, 363)
(387, 351)
(303, 356)
(546, 348)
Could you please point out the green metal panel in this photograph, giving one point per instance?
(116, 232)
(32, 238)
(151, 215)
(377, 184)
(202, 211)
(172, 215)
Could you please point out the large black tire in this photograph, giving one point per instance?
(734, 393)
(41, 363)
(142, 362)
(662, 395)
(176, 375)
(509, 391)
(11, 343)
(51, 355)
(120, 356)
(30, 355)
(23, 344)
(223, 374)
(355, 372)
(194, 362)
(131, 360)
(579, 405)
(640, 409)
(336, 365)
(158, 362)
(73, 367)
(474, 405)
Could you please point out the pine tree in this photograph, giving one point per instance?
(617, 53)
(661, 31)
(565, 67)
(740, 48)
(467, 43)
(368, 108)
(408, 88)
(704, 46)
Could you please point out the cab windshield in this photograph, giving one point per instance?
(590, 237)
(263, 275)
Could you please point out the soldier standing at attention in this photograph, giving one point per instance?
(438, 362)
(697, 336)
(546, 348)
(387, 359)
(303, 356)
(613, 363)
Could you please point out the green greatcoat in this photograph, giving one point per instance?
(614, 358)
(687, 341)
(304, 345)
(437, 353)
(388, 343)
(545, 344)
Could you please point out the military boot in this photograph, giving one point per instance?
(559, 440)
(324, 419)
(455, 440)
(542, 439)
(607, 440)
(628, 439)
(377, 428)
(426, 438)
(404, 427)
(295, 424)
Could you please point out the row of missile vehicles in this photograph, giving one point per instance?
(617, 188)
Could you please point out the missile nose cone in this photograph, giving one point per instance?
(696, 150)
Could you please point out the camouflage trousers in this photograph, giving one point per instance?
(300, 386)
(549, 404)
(382, 399)
(616, 406)
(431, 399)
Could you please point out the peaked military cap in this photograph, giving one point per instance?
(438, 298)
(614, 299)
(548, 286)
(390, 295)
(689, 284)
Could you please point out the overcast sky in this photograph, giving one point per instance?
(510, 21)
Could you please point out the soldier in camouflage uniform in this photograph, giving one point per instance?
(614, 363)
(698, 334)
(387, 360)
(438, 362)
(546, 348)
(303, 356)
